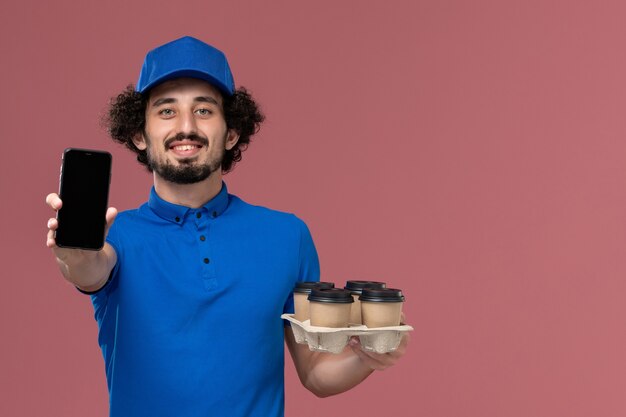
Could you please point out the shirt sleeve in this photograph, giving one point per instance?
(308, 263)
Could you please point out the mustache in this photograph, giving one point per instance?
(190, 136)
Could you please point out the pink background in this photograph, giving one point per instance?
(470, 153)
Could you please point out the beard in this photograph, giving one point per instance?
(188, 171)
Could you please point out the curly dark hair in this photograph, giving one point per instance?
(126, 118)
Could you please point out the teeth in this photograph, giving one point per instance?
(184, 147)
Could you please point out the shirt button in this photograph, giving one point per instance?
(177, 219)
(206, 260)
(202, 238)
(198, 215)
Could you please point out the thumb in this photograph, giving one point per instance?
(110, 218)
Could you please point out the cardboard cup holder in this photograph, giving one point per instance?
(334, 340)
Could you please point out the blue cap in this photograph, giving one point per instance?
(186, 57)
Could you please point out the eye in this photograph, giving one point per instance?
(204, 112)
(166, 112)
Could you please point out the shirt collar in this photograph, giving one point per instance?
(177, 214)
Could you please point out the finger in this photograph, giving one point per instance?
(54, 201)
(367, 360)
(50, 241)
(385, 359)
(382, 360)
(110, 217)
(374, 360)
(53, 223)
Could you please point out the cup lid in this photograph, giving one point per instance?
(382, 295)
(357, 286)
(331, 295)
(306, 286)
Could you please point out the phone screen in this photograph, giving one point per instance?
(84, 190)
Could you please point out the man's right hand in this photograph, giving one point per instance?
(87, 269)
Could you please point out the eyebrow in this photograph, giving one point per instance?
(201, 99)
(207, 99)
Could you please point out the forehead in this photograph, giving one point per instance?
(182, 87)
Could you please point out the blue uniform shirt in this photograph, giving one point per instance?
(189, 323)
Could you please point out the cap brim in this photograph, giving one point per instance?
(188, 73)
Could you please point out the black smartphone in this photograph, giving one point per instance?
(84, 190)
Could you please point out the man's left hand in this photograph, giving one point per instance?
(380, 361)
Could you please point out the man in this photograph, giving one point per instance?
(189, 288)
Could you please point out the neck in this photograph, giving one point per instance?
(189, 195)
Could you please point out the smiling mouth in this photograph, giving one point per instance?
(186, 147)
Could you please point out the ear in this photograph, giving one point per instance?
(140, 142)
(231, 139)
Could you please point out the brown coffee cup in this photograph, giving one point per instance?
(301, 293)
(330, 307)
(381, 307)
(356, 287)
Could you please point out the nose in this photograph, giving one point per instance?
(187, 123)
